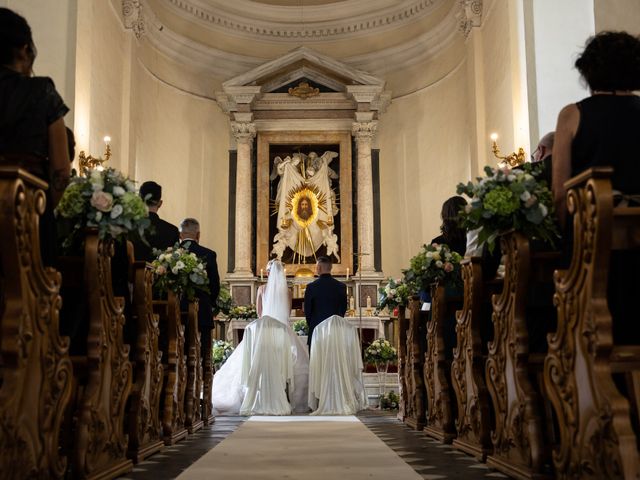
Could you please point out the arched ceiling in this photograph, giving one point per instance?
(228, 37)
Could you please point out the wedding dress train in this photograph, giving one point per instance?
(268, 363)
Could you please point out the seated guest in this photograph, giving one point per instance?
(32, 129)
(162, 234)
(602, 130)
(189, 239)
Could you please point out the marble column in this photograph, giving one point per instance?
(244, 132)
(363, 133)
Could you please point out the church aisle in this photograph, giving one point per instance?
(427, 458)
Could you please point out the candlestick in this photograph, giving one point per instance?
(347, 274)
(261, 274)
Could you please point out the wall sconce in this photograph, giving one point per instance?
(87, 162)
(512, 160)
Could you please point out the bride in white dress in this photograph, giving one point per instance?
(269, 359)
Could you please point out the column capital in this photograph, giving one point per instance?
(244, 132)
(364, 130)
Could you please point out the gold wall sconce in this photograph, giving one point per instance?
(514, 159)
(87, 162)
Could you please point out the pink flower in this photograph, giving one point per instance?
(161, 270)
(102, 201)
(448, 267)
(530, 201)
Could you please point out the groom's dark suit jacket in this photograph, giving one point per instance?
(206, 301)
(323, 298)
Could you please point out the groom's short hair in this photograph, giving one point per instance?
(325, 262)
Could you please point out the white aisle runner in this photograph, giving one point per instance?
(305, 447)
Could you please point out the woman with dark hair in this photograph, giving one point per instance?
(602, 130)
(32, 130)
(31, 110)
(451, 233)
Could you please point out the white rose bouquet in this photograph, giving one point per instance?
(396, 293)
(180, 271)
(105, 200)
(301, 327)
(243, 312)
(380, 351)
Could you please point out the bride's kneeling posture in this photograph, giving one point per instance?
(267, 374)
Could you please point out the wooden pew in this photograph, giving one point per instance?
(474, 421)
(415, 394)
(175, 369)
(36, 380)
(513, 374)
(402, 326)
(206, 338)
(145, 428)
(103, 375)
(193, 412)
(437, 370)
(596, 433)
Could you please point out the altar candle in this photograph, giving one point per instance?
(261, 274)
(347, 273)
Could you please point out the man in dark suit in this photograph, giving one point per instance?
(164, 234)
(324, 297)
(189, 239)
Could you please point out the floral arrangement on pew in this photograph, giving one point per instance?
(220, 352)
(396, 293)
(301, 327)
(435, 263)
(180, 271)
(224, 302)
(243, 312)
(106, 200)
(380, 352)
(509, 199)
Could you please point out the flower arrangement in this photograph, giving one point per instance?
(509, 199)
(396, 293)
(301, 327)
(220, 352)
(180, 271)
(243, 312)
(380, 351)
(435, 263)
(105, 200)
(224, 302)
(389, 401)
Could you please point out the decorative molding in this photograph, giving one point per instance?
(324, 22)
(244, 132)
(469, 15)
(133, 17)
(304, 91)
(364, 130)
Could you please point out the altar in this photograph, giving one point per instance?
(376, 324)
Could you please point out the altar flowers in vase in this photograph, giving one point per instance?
(243, 312)
(180, 271)
(301, 327)
(105, 200)
(435, 263)
(509, 199)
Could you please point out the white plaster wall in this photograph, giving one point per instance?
(617, 15)
(53, 25)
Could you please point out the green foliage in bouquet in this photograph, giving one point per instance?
(220, 352)
(224, 303)
(435, 263)
(389, 401)
(509, 199)
(380, 351)
(105, 200)
(301, 327)
(180, 271)
(244, 312)
(396, 293)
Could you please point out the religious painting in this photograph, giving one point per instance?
(305, 221)
(301, 176)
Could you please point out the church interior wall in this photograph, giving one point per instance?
(617, 15)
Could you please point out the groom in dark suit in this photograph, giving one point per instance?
(324, 297)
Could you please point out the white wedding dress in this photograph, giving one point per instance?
(268, 363)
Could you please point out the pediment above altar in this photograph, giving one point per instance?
(323, 83)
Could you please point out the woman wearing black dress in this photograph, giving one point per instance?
(604, 130)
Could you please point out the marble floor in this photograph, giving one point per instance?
(429, 458)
